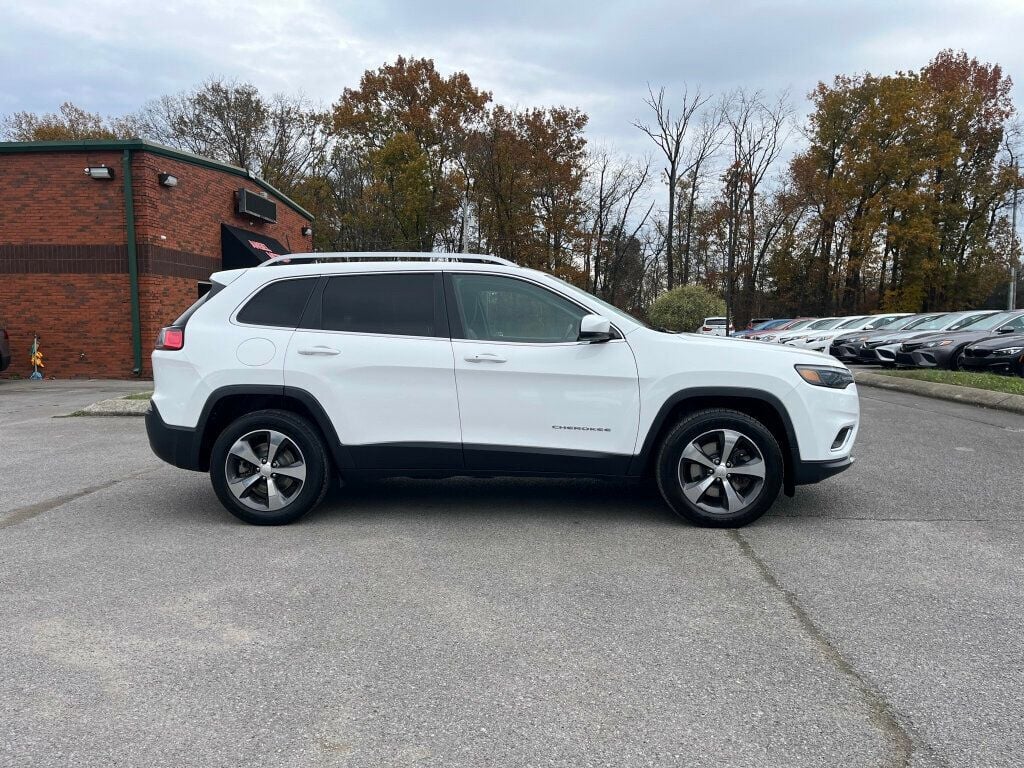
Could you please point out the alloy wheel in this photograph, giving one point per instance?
(265, 470)
(722, 472)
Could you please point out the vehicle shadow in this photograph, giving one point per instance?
(568, 500)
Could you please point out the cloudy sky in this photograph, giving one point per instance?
(110, 56)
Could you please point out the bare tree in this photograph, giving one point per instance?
(707, 142)
(669, 134)
(283, 139)
(757, 131)
(613, 203)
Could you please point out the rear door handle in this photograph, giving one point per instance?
(485, 357)
(319, 350)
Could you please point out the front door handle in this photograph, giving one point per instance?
(319, 350)
(485, 357)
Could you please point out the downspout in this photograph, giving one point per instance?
(133, 260)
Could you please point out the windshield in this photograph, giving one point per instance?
(981, 322)
(885, 321)
(824, 324)
(937, 323)
(905, 322)
(921, 320)
(800, 324)
(852, 323)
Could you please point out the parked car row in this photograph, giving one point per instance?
(980, 340)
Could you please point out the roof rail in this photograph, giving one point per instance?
(318, 258)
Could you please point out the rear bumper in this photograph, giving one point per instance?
(175, 445)
(808, 472)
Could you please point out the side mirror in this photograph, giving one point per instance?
(594, 329)
(1007, 329)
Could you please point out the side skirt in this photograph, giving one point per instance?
(452, 459)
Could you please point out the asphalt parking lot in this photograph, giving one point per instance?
(874, 620)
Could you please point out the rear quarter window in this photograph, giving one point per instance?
(279, 304)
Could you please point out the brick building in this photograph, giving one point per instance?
(104, 242)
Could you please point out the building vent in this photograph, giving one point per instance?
(251, 204)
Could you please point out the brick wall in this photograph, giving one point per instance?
(63, 254)
(83, 322)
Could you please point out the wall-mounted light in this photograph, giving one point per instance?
(307, 231)
(99, 172)
(168, 180)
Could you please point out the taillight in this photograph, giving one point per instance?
(170, 339)
(706, 329)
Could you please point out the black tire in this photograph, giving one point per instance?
(954, 359)
(310, 455)
(671, 466)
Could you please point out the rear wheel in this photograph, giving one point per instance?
(720, 468)
(269, 467)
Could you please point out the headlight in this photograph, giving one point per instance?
(939, 343)
(769, 337)
(1008, 351)
(815, 340)
(786, 339)
(825, 376)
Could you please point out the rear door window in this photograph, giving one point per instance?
(403, 304)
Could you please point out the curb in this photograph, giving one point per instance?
(984, 398)
(115, 407)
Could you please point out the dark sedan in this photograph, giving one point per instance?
(1002, 354)
(859, 346)
(943, 350)
(951, 321)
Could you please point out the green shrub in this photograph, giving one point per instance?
(684, 308)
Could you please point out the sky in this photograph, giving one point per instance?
(110, 56)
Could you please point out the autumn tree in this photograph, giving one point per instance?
(69, 122)
(435, 113)
(527, 169)
(905, 180)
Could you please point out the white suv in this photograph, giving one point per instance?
(715, 326)
(366, 365)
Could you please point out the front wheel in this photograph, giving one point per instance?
(720, 468)
(954, 358)
(269, 467)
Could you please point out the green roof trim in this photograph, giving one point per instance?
(139, 145)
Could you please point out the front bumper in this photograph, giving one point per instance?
(179, 446)
(808, 472)
(906, 359)
(995, 363)
(844, 352)
(886, 355)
